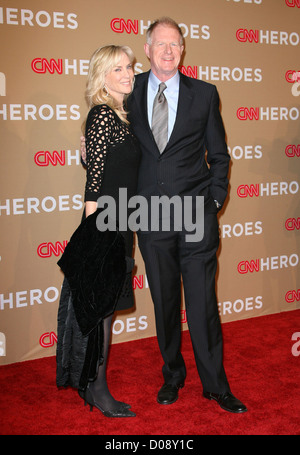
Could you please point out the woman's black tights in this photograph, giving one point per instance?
(99, 388)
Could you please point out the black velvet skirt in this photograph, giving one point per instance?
(78, 356)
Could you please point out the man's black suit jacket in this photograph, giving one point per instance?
(182, 167)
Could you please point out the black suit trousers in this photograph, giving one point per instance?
(169, 258)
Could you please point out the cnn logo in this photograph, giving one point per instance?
(2, 85)
(2, 345)
(46, 249)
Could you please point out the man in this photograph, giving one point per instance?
(194, 126)
(179, 168)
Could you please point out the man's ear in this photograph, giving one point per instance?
(146, 49)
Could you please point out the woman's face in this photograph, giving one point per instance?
(119, 80)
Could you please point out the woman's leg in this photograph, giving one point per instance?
(99, 390)
(99, 387)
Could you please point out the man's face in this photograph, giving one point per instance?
(164, 51)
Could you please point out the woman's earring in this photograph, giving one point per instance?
(105, 91)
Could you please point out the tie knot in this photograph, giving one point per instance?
(162, 87)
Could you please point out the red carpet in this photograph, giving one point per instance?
(261, 367)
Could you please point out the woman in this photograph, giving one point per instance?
(112, 161)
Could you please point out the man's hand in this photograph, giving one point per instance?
(83, 149)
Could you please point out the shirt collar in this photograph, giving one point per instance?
(172, 83)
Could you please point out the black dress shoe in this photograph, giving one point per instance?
(168, 394)
(227, 401)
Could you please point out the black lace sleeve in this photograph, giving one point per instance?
(98, 136)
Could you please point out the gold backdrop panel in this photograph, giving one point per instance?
(249, 49)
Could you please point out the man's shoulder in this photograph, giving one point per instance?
(141, 77)
(196, 83)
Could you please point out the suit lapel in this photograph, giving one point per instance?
(185, 99)
(141, 102)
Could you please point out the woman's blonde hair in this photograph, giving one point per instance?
(103, 60)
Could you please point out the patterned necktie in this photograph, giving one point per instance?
(160, 118)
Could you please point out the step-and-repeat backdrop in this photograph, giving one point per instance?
(248, 48)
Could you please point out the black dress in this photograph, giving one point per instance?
(113, 157)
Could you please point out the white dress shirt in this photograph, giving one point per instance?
(171, 94)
